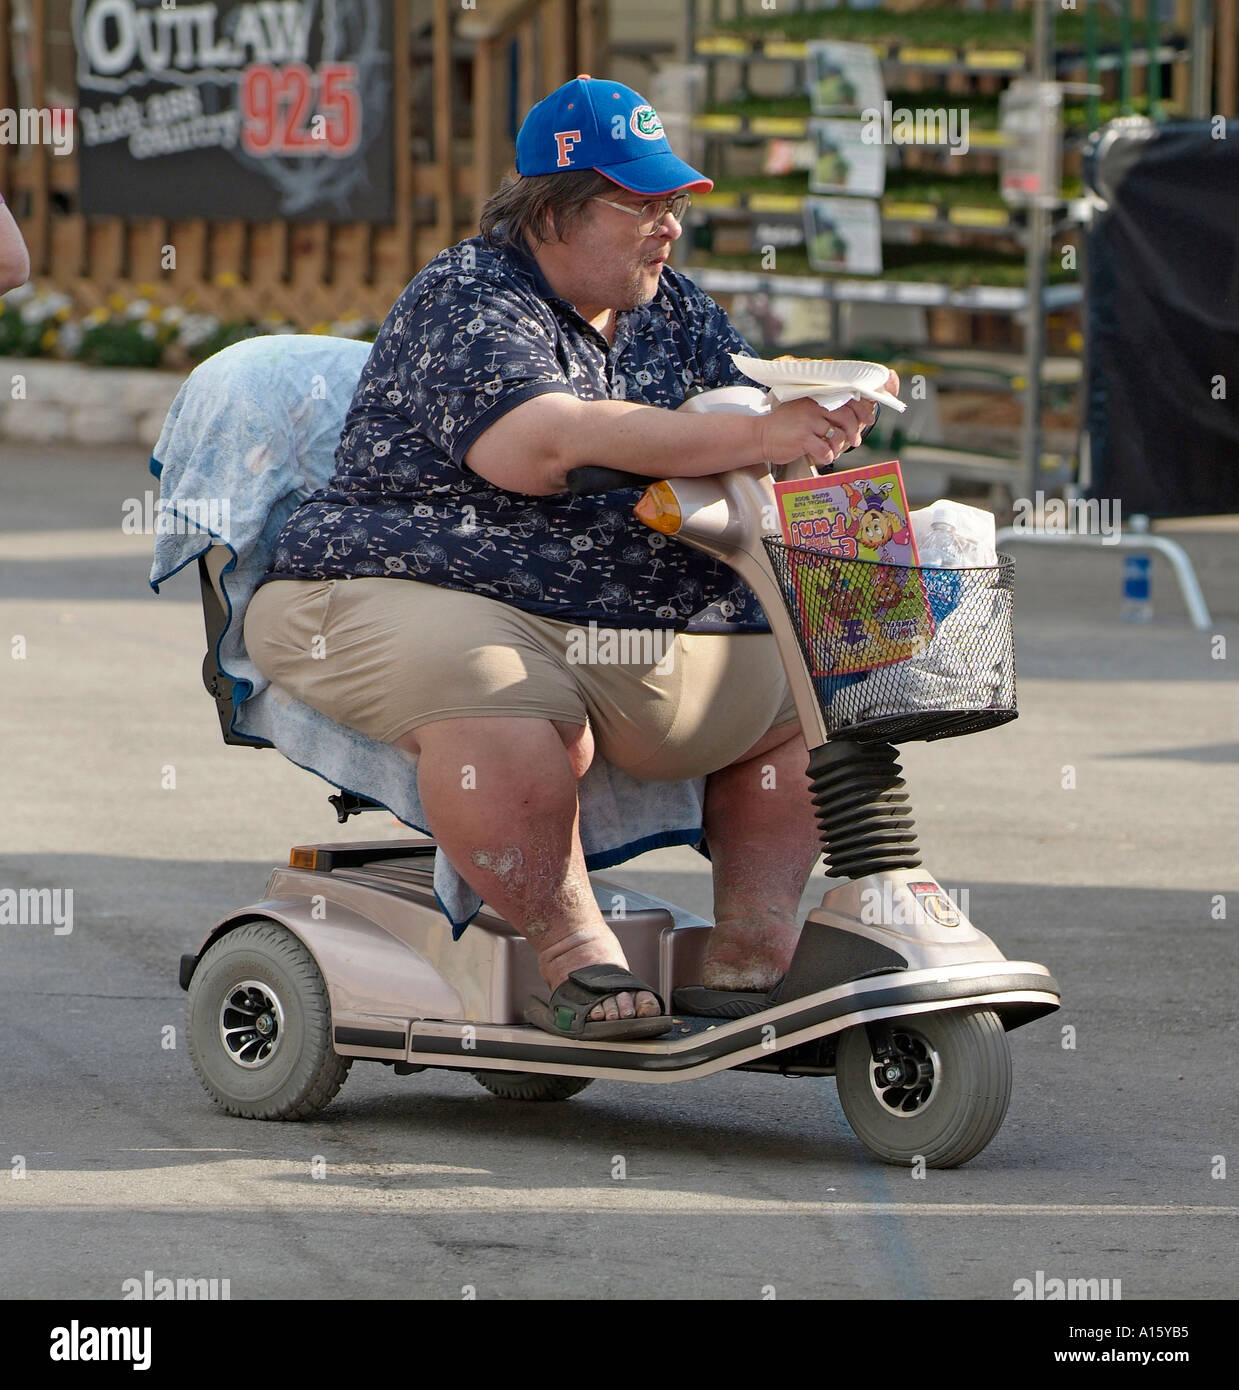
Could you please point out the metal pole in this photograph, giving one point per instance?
(1038, 232)
(1154, 67)
(1090, 48)
(1125, 58)
(1202, 59)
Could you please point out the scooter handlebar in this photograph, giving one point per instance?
(592, 479)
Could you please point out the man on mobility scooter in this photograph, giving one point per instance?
(429, 595)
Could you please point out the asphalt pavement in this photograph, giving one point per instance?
(1096, 834)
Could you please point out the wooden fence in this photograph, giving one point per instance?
(450, 99)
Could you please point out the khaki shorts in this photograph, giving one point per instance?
(387, 655)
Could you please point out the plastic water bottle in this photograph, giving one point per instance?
(1137, 589)
(945, 548)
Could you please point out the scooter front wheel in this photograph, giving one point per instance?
(259, 1026)
(939, 1098)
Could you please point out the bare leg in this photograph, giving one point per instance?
(763, 838)
(511, 828)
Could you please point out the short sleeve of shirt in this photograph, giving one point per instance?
(472, 351)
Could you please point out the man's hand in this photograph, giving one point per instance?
(803, 427)
(14, 258)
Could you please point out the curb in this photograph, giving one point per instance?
(44, 401)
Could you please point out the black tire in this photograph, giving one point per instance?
(959, 1112)
(531, 1085)
(301, 1071)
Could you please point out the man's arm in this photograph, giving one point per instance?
(14, 258)
(533, 446)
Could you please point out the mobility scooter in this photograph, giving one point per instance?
(892, 990)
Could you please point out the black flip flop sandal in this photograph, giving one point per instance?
(725, 1003)
(566, 1012)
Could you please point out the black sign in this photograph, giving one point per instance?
(252, 109)
(1163, 321)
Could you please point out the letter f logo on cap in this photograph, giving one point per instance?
(565, 139)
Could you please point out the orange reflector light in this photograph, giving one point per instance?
(658, 509)
(303, 857)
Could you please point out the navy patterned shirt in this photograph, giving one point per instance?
(475, 333)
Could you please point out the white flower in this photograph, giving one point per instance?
(17, 297)
(197, 328)
(70, 338)
(146, 328)
(173, 314)
(138, 309)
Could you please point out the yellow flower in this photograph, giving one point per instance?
(321, 327)
(155, 312)
(63, 314)
(116, 302)
(146, 291)
(227, 278)
(48, 339)
(97, 316)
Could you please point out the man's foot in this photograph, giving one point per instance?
(567, 1012)
(600, 950)
(724, 1003)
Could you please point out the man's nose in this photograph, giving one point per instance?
(669, 228)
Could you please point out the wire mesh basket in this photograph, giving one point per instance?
(900, 653)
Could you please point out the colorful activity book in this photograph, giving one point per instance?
(855, 616)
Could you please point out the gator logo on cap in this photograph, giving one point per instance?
(645, 123)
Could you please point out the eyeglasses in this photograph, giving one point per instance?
(650, 216)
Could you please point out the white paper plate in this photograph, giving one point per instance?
(837, 380)
(732, 400)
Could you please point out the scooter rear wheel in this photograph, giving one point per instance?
(259, 1026)
(950, 1099)
(531, 1085)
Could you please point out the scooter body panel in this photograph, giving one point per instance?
(402, 990)
(909, 912)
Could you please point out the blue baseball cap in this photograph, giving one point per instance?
(591, 124)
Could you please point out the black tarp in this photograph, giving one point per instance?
(1162, 282)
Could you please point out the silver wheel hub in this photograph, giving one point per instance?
(906, 1083)
(251, 1024)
